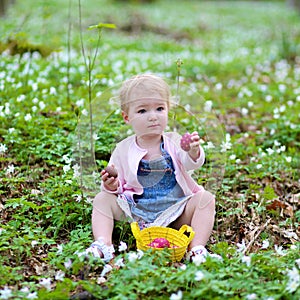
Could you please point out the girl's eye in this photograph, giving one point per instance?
(141, 111)
(161, 108)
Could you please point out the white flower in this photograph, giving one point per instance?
(183, 267)
(78, 198)
(259, 166)
(33, 243)
(251, 296)
(132, 256)
(208, 106)
(35, 100)
(76, 169)
(241, 246)
(265, 244)
(226, 145)
(32, 295)
(60, 275)
(219, 86)
(85, 112)
(52, 90)
(67, 159)
(95, 136)
(106, 269)
(247, 260)
(11, 130)
(216, 256)
(46, 283)
(297, 261)
(68, 264)
(270, 151)
(20, 98)
(89, 200)
(119, 262)
(10, 169)
(279, 250)
(292, 286)
(294, 280)
(80, 102)
(24, 290)
(122, 246)
(34, 86)
(199, 275)
(209, 145)
(244, 111)
(293, 275)
(7, 109)
(281, 149)
(101, 279)
(42, 105)
(288, 159)
(282, 108)
(27, 117)
(176, 296)
(140, 254)
(59, 249)
(269, 98)
(3, 148)
(282, 87)
(66, 168)
(6, 293)
(198, 259)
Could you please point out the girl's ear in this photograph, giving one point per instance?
(125, 117)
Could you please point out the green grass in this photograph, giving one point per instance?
(242, 56)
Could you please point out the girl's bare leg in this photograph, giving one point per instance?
(105, 211)
(199, 213)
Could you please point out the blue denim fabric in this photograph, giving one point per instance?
(161, 189)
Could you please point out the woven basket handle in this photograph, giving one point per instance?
(187, 229)
(136, 231)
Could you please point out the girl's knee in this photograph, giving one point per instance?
(106, 204)
(103, 197)
(206, 200)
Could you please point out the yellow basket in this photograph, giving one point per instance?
(175, 237)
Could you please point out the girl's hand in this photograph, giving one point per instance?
(191, 144)
(110, 183)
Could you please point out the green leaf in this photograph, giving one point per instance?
(102, 25)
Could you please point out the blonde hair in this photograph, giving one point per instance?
(144, 82)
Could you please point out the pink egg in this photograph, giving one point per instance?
(185, 142)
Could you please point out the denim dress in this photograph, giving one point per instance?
(161, 190)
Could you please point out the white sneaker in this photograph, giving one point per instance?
(99, 247)
(197, 254)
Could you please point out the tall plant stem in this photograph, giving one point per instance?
(69, 52)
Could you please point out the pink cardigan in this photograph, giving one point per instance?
(127, 155)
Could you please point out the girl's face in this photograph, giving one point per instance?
(148, 115)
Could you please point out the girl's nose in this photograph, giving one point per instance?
(152, 116)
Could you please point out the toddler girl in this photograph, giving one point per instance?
(153, 185)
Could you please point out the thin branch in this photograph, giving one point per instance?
(256, 236)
